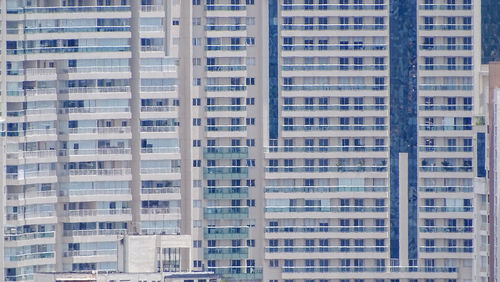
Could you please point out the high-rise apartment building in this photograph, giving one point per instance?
(293, 140)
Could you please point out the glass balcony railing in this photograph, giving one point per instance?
(225, 108)
(431, 47)
(399, 269)
(226, 68)
(238, 272)
(446, 87)
(33, 30)
(326, 169)
(228, 192)
(68, 9)
(361, 107)
(450, 67)
(333, 127)
(316, 229)
(225, 47)
(29, 236)
(334, 47)
(327, 249)
(324, 149)
(226, 232)
(333, 27)
(225, 253)
(225, 128)
(446, 249)
(337, 87)
(449, 7)
(225, 7)
(327, 209)
(431, 127)
(217, 88)
(446, 229)
(82, 49)
(324, 189)
(446, 168)
(231, 152)
(447, 189)
(445, 107)
(225, 27)
(445, 27)
(226, 213)
(445, 209)
(288, 7)
(360, 67)
(445, 148)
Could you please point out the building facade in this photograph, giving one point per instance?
(293, 140)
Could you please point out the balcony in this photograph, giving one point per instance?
(225, 7)
(152, 8)
(326, 168)
(446, 249)
(228, 192)
(96, 212)
(432, 107)
(446, 87)
(32, 256)
(68, 9)
(219, 88)
(31, 112)
(160, 170)
(325, 189)
(32, 154)
(95, 232)
(156, 129)
(445, 148)
(29, 236)
(445, 209)
(100, 151)
(435, 47)
(230, 152)
(95, 90)
(225, 253)
(447, 189)
(431, 127)
(161, 190)
(333, 127)
(238, 272)
(445, 27)
(361, 107)
(97, 69)
(334, 47)
(160, 150)
(93, 110)
(225, 128)
(226, 68)
(324, 27)
(63, 29)
(325, 149)
(94, 192)
(225, 47)
(225, 27)
(446, 229)
(97, 130)
(98, 172)
(449, 7)
(173, 210)
(446, 168)
(289, 209)
(225, 108)
(300, 7)
(158, 109)
(327, 249)
(334, 87)
(31, 195)
(385, 269)
(225, 172)
(90, 253)
(226, 213)
(30, 174)
(226, 232)
(65, 50)
(319, 229)
(343, 67)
